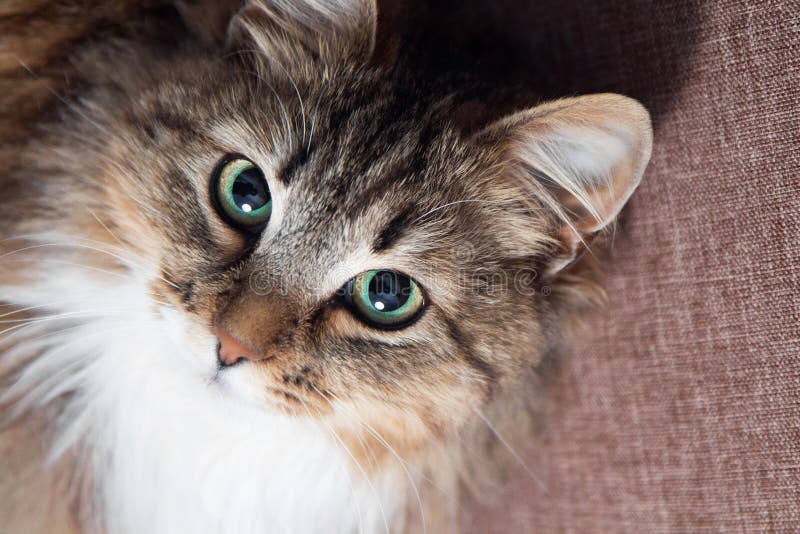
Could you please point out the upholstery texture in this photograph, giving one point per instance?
(680, 409)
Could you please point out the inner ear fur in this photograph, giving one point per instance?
(581, 157)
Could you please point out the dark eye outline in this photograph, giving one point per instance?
(404, 317)
(220, 205)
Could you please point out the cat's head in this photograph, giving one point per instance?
(318, 223)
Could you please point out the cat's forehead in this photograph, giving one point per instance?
(355, 198)
(363, 158)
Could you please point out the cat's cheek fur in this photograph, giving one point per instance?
(191, 345)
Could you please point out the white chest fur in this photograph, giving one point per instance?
(172, 453)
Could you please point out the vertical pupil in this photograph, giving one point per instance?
(389, 291)
(250, 191)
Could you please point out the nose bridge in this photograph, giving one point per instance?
(297, 258)
(264, 281)
(257, 321)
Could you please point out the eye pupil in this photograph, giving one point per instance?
(389, 291)
(384, 299)
(250, 191)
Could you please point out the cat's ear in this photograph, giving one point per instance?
(288, 32)
(208, 19)
(581, 157)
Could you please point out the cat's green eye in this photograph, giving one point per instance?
(385, 299)
(241, 193)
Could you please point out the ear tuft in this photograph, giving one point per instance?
(583, 157)
(288, 32)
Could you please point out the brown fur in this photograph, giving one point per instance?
(146, 115)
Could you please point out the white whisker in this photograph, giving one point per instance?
(358, 466)
(516, 456)
(466, 201)
(339, 440)
(403, 464)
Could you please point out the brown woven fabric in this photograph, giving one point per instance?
(680, 410)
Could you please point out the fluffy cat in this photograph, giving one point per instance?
(256, 278)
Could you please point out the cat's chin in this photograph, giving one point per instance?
(242, 385)
(238, 383)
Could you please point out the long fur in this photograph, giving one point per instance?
(114, 267)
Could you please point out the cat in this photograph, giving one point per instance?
(256, 279)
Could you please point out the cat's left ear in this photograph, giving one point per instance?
(290, 32)
(581, 157)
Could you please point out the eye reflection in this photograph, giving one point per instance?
(384, 299)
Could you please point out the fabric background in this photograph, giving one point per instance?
(680, 410)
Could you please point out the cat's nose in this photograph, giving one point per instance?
(232, 350)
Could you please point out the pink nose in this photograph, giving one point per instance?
(231, 350)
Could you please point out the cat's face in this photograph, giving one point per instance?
(382, 183)
(325, 221)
